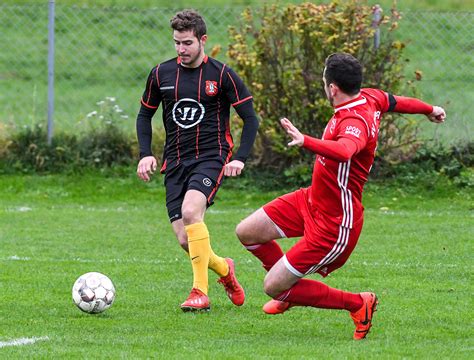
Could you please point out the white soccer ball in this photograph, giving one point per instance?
(93, 292)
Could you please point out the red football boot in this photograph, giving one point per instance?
(363, 317)
(274, 307)
(196, 301)
(234, 290)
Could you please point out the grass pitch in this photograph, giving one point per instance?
(415, 252)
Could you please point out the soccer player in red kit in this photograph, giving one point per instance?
(196, 93)
(328, 215)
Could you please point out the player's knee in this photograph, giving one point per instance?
(241, 230)
(269, 288)
(191, 215)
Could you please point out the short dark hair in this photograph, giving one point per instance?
(189, 20)
(345, 71)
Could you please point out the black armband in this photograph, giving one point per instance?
(392, 102)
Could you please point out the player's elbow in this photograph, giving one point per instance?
(346, 151)
(343, 156)
(347, 156)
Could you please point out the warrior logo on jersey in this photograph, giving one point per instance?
(188, 113)
(211, 88)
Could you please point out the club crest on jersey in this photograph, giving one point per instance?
(352, 130)
(211, 88)
(188, 113)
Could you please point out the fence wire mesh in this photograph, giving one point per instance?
(108, 52)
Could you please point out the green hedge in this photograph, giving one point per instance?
(27, 151)
(280, 50)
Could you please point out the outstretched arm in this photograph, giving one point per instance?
(341, 149)
(407, 105)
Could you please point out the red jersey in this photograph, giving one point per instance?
(336, 188)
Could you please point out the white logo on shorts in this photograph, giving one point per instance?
(207, 182)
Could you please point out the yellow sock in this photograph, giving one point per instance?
(199, 249)
(218, 264)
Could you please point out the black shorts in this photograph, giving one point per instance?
(204, 175)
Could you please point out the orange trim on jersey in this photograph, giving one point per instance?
(163, 167)
(222, 71)
(177, 126)
(218, 114)
(199, 100)
(157, 75)
(197, 141)
(219, 126)
(177, 144)
(148, 106)
(220, 177)
(178, 60)
(228, 136)
(199, 85)
(176, 85)
(243, 100)
(149, 86)
(235, 87)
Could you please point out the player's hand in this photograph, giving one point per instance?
(438, 115)
(146, 167)
(298, 138)
(234, 168)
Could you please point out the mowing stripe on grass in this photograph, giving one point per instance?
(158, 261)
(22, 341)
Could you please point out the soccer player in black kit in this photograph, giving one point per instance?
(196, 93)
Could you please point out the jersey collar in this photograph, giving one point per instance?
(204, 61)
(351, 103)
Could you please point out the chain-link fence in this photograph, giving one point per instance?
(108, 52)
(440, 47)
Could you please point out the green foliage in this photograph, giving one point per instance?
(100, 143)
(280, 52)
(429, 163)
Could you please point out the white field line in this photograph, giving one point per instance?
(18, 209)
(22, 341)
(419, 265)
(119, 209)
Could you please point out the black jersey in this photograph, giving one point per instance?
(196, 107)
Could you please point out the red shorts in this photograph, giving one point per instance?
(324, 245)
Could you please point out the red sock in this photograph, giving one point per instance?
(268, 253)
(317, 294)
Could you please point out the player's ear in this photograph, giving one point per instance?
(334, 89)
(203, 39)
